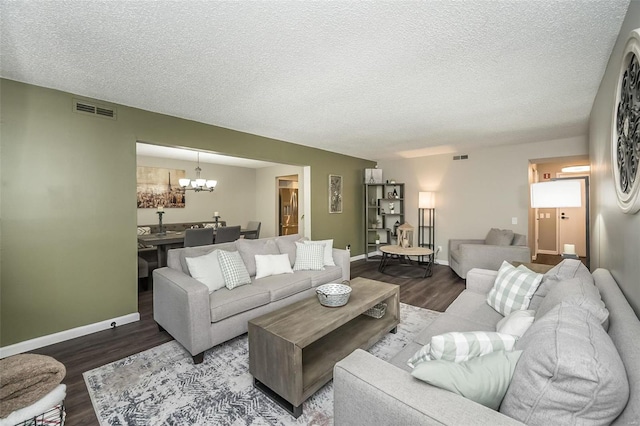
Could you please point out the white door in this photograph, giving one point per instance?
(572, 225)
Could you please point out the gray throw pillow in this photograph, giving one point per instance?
(499, 237)
(287, 244)
(249, 248)
(576, 292)
(569, 372)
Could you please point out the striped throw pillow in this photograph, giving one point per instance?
(309, 257)
(459, 347)
(233, 269)
(513, 289)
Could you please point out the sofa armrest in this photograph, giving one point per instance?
(368, 390)
(481, 280)
(181, 306)
(342, 259)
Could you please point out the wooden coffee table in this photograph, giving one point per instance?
(403, 255)
(292, 351)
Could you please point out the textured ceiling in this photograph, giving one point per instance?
(374, 79)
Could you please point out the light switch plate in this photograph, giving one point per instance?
(514, 220)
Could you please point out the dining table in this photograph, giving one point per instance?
(172, 239)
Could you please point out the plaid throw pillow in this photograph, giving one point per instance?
(513, 289)
(459, 347)
(309, 257)
(234, 272)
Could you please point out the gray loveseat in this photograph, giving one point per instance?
(500, 245)
(368, 390)
(198, 320)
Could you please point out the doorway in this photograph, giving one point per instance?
(558, 231)
(287, 204)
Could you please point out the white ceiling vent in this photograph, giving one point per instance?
(84, 107)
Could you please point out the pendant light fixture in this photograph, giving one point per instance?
(198, 184)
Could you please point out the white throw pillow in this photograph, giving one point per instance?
(328, 251)
(516, 323)
(513, 289)
(309, 257)
(233, 269)
(206, 269)
(272, 264)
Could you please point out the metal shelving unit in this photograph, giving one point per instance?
(380, 219)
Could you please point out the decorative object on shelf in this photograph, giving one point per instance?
(395, 228)
(160, 213)
(405, 238)
(391, 208)
(427, 223)
(625, 138)
(373, 175)
(333, 295)
(198, 184)
(335, 194)
(394, 194)
(159, 186)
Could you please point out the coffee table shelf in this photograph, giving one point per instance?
(292, 351)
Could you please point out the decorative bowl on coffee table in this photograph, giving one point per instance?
(333, 295)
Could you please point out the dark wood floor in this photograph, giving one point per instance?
(92, 351)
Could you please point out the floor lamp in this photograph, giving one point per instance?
(427, 222)
(563, 192)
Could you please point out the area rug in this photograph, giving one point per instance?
(162, 386)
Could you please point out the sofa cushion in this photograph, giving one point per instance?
(272, 264)
(482, 379)
(448, 322)
(249, 248)
(206, 269)
(568, 268)
(281, 286)
(177, 257)
(309, 257)
(328, 250)
(233, 269)
(519, 240)
(513, 289)
(473, 306)
(577, 292)
(287, 244)
(226, 303)
(569, 372)
(499, 237)
(330, 274)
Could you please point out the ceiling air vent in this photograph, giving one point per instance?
(461, 157)
(94, 109)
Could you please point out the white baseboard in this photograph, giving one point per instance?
(62, 336)
(442, 262)
(358, 257)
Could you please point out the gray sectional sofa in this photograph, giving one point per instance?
(198, 320)
(600, 390)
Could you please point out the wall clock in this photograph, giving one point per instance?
(625, 140)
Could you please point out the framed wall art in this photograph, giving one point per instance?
(157, 186)
(625, 137)
(335, 194)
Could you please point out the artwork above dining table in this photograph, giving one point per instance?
(158, 186)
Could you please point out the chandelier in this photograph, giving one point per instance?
(198, 184)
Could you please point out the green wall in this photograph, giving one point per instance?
(68, 213)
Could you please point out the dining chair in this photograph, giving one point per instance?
(253, 226)
(198, 237)
(227, 234)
